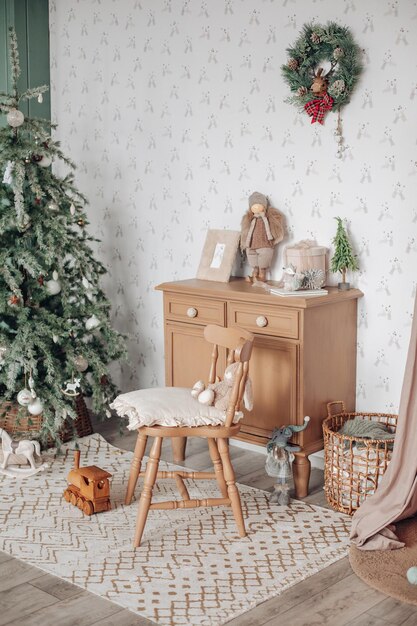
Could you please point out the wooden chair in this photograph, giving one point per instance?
(239, 344)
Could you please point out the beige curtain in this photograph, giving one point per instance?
(396, 497)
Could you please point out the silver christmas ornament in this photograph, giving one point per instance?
(24, 397)
(92, 323)
(15, 118)
(35, 407)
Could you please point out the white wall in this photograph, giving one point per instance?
(174, 112)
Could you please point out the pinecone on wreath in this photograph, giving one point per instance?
(315, 37)
(337, 88)
(338, 53)
(292, 64)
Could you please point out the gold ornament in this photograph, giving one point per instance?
(80, 363)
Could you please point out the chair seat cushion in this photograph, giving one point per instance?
(167, 406)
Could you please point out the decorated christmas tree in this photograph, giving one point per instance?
(343, 258)
(56, 340)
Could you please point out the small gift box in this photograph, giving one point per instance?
(306, 255)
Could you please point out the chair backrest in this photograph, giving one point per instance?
(239, 343)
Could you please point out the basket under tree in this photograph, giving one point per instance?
(56, 339)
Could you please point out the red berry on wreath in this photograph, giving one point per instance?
(40, 279)
(104, 380)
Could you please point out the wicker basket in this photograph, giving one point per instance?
(351, 474)
(28, 425)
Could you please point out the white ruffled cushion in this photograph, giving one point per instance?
(167, 406)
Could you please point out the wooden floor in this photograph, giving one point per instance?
(333, 597)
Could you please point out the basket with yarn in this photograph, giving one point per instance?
(357, 451)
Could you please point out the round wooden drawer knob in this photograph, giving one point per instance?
(192, 312)
(261, 321)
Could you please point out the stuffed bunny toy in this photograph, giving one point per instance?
(218, 394)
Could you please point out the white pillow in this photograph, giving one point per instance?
(167, 406)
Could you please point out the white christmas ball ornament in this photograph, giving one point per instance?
(24, 397)
(52, 206)
(15, 118)
(53, 287)
(92, 323)
(45, 161)
(35, 407)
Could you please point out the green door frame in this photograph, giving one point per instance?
(30, 19)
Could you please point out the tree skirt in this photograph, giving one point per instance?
(386, 570)
(192, 567)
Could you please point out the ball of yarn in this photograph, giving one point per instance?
(412, 575)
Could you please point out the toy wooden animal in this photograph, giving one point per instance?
(89, 487)
(72, 388)
(26, 448)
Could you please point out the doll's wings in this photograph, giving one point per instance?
(276, 224)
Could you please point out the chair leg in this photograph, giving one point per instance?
(135, 467)
(232, 490)
(146, 495)
(218, 467)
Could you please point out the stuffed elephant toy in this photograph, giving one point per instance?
(279, 458)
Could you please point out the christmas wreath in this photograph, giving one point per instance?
(331, 45)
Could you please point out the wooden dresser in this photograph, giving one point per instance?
(304, 354)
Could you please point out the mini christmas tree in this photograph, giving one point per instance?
(55, 334)
(343, 258)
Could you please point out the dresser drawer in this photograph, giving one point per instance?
(265, 320)
(194, 310)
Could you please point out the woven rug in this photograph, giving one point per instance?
(192, 568)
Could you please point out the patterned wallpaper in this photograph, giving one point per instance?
(174, 113)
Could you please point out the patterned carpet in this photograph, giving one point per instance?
(192, 568)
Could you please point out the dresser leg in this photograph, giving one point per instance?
(178, 448)
(301, 469)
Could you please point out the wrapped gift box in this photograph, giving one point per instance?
(306, 255)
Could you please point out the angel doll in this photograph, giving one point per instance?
(262, 229)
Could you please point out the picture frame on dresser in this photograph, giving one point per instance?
(218, 255)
